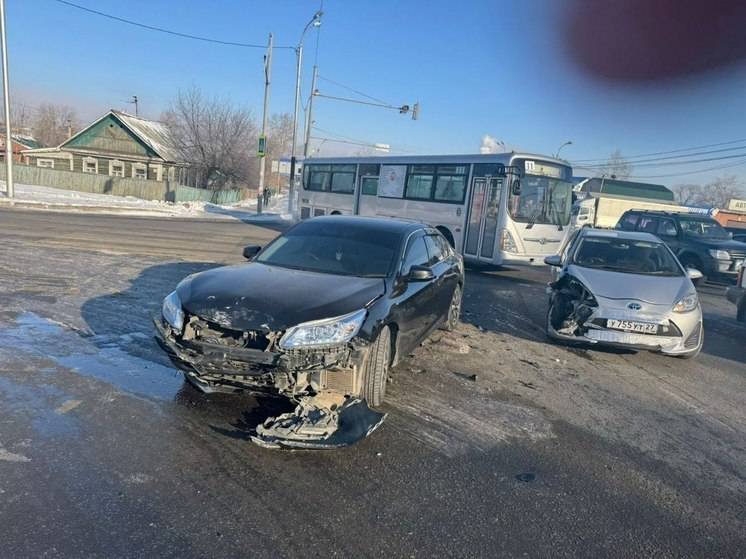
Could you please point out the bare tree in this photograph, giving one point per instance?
(51, 123)
(687, 194)
(715, 194)
(215, 137)
(617, 166)
(279, 143)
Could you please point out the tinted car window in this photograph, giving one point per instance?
(667, 228)
(416, 254)
(702, 227)
(648, 224)
(628, 222)
(434, 249)
(334, 249)
(626, 256)
(445, 246)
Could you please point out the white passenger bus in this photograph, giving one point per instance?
(509, 208)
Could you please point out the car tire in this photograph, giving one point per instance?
(454, 310)
(376, 369)
(693, 262)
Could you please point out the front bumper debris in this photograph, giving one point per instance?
(313, 426)
(325, 383)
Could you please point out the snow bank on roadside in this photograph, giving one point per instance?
(55, 198)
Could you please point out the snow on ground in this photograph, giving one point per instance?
(59, 199)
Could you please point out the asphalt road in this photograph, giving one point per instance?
(550, 452)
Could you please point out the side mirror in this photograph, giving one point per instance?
(419, 273)
(251, 251)
(694, 274)
(553, 260)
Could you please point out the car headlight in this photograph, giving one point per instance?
(506, 241)
(328, 331)
(172, 311)
(719, 254)
(687, 303)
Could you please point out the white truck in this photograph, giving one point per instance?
(603, 211)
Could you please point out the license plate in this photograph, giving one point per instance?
(630, 326)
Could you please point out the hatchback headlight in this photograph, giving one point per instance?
(687, 303)
(172, 311)
(719, 254)
(329, 331)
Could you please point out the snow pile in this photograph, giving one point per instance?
(55, 198)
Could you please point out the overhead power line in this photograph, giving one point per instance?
(167, 31)
(672, 157)
(670, 163)
(348, 88)
(698, 171)
(680, 150)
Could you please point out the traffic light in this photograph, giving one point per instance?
(415, 111)
(404, 109)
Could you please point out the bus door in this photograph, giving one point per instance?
(367, 196)
(484, 212)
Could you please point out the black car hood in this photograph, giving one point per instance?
(255, 296)
(721, 244)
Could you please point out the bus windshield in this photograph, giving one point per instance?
(541, 200)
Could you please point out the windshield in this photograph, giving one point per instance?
(334, 250)
(626, 256)
(542, 200)
(703, 227)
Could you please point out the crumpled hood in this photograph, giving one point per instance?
(255, 296)
(657, 290)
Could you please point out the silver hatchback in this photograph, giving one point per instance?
(619, 288)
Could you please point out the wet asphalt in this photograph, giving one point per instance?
(106, 452)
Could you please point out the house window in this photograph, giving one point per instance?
(139, 171)
(116, 168)
(90, 165)
(48, 163)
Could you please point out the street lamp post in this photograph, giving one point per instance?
(6, 97)
(315, 22)
(567, 143)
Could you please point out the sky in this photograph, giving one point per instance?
(476, 68)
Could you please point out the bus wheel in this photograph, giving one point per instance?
(447, 234)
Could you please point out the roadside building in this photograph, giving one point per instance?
(20, 143)
(616, 187)
(734, 217)
(117, 144)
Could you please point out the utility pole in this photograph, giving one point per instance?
(69, 128)
(291, 184)
(315, 22)
(6, 96)
(261, 152)
(309, 116)
(134, 101)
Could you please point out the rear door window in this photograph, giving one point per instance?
(648, 224)
(667, 228)
(628, 222)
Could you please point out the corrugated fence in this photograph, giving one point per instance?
(120, 186)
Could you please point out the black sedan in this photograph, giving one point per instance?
(319, 315)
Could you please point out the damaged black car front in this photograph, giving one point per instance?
(314, 317)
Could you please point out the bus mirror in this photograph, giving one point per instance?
(516, 189)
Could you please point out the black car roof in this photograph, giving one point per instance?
(373, 224)
(667, 214)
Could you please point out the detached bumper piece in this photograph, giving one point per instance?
(312, 426)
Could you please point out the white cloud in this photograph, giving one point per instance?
(490, 144)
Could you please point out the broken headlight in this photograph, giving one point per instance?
(172, 311)
(687, 303)
(328, 331)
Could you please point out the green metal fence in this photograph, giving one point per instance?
(120, 186)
